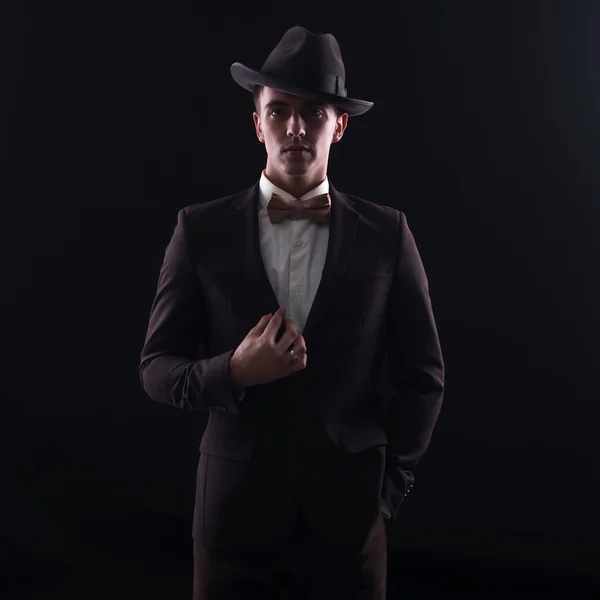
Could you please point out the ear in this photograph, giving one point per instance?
(340, 126)
(257, 126)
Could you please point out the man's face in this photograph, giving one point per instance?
(284, 122)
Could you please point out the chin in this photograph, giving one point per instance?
(297, 171)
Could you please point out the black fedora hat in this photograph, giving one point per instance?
(304, 64)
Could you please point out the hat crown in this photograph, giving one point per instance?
(304, 64)
(306, 57)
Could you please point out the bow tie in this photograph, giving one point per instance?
(316, 209)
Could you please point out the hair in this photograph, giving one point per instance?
(258, 91)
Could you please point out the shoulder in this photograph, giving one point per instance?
(211, 215)
(381, 215)
(211, 207)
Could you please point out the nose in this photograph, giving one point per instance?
(296, 126)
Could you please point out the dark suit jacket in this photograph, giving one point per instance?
(323, 437)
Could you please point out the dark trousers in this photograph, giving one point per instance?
(305, 572)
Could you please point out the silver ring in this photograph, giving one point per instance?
(294, 355)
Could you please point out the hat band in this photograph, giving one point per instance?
(321, 82)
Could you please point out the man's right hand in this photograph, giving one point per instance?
(260, 359)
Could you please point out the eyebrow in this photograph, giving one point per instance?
(274, 103)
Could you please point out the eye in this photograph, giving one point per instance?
(274, 112)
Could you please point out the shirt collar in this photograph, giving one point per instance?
(267, 188)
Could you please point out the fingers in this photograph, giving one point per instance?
(261, 325)
(274, 324)
(290, 335)
(290, 325)
(298, 345)
(299, 359)
(298, 339)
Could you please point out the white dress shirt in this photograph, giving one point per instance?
(293, 252)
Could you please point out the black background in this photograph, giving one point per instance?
(484, 133)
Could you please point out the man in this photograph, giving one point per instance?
(300, 461)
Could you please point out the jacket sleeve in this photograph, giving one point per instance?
(416, 368)
(171, 370)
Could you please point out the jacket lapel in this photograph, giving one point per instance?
(342, 229)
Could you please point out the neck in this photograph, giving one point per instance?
(296, 186)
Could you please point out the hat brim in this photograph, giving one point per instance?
(248, 78)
